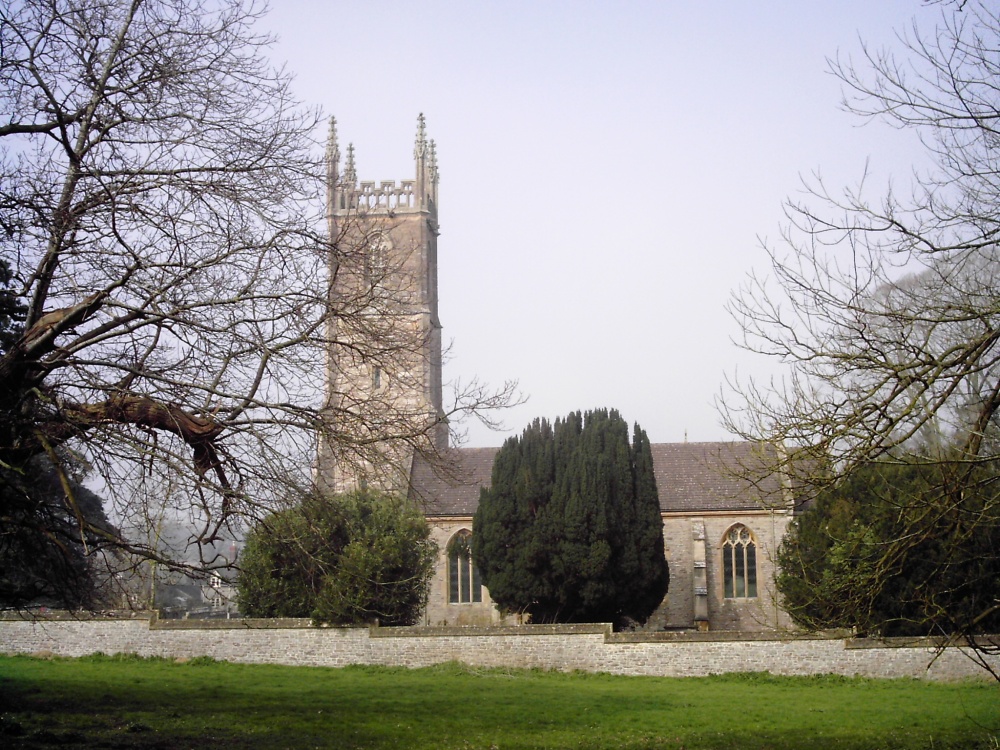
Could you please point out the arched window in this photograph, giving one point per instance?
(464, 585)
(377, 259)
(739, 563)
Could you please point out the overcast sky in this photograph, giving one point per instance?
(608, 171)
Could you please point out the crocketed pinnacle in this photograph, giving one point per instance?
(350, 173)
(332, 149)
(420, 147)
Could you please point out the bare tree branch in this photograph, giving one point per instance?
(885, 310)
(162, 213)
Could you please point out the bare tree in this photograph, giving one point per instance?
(887, 310)
(161, 212)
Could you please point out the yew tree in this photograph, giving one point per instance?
(945, 568)
(569, 529)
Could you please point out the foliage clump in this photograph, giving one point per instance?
(347, 559)
(570, 528)
(898, 548)
(53, 538)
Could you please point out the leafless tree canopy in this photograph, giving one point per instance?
(886, 310)
(161, 211)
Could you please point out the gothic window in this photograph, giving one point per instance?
(464, 585)
(739, 563)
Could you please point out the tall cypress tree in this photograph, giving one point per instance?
(570, 528)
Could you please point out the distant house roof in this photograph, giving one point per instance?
(689, 477)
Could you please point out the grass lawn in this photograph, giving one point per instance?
(128, 702)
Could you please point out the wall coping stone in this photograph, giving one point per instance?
(65, 614)
(241, 623)
(935, 642)
(728, 636)
(425, 631)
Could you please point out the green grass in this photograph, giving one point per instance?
(127, 702)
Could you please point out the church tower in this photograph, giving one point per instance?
(384, 393)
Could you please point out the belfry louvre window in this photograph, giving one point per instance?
(739, 563)
(377, 260)
(464, 585)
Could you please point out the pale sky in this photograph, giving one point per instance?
(608, 170)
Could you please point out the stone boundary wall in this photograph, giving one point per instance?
(590, 648)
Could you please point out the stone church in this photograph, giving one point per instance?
(720, 531)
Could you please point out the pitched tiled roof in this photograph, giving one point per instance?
(689, 477)
(452, 489)
(712, 476)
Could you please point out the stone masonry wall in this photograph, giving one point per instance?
(591, 648)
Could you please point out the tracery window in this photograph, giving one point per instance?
(464, 585)
(739, 563)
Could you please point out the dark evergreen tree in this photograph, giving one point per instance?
(12, 309)
(570, 529)
(898, 548)
(53, 538)
(348, 559)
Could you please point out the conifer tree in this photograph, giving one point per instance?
(570, 528)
